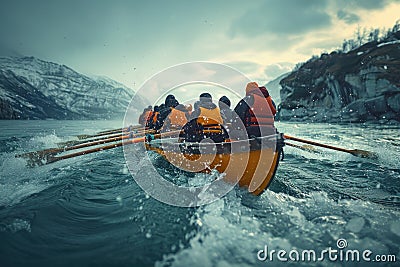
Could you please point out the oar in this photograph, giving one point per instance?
(355, 152)
(97, 149)
(126, 129)
(77, 142)
(86, 136)
(50, 159)
(52, 151)
(303, 147)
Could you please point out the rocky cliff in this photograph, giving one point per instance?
(274, 88)
(358, 86)
(31, 88)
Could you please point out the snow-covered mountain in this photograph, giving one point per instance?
(31, 88)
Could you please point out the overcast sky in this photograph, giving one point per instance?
(130, 41)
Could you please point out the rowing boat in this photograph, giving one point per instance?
(251, 163)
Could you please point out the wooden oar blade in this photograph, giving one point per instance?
(39, 154)
(37, 158)
(364, 154)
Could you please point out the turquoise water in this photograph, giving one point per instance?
(89, 211)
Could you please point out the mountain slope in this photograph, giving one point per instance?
(361, 85)
(274, 87)
(31, 88)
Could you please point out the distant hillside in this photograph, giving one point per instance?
(274, 88)
(31, 88)
(360, 85)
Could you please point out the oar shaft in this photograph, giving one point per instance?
(86, 136)
(134, 127)
(108, 136)
(104, 141)
(122, 143)
(97, 149)
(317, 144)
(99, 142)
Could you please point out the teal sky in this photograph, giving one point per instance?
(130, 41)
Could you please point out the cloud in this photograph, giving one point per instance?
(282, 17)
(369, 4)
(275, 70)
(349, 10)
(245, 66)
(349, 18)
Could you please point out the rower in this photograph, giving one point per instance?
(153, 118)
(164, 112)
(176, 119)
(145, 116)
(257, 110)
(205, 122)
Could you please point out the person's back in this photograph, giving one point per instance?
(153, 118)
(205, 122)
(170, 101)
(144, 117)
(176, 119)
(257, 110)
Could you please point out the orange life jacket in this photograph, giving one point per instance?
(210, 119)
(177, 118)
(143, 119)
(147, 116)
(271, 105)
(155, 115)
(261, 112)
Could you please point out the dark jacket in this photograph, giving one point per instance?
(170, 101)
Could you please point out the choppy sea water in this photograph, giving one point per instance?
(89, 211)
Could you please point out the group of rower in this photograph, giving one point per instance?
(205, 119)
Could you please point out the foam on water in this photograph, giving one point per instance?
(232, 230)
(18, 181)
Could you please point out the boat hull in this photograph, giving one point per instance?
(251, 164)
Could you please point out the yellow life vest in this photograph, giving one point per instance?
(210, 119)
(177, 118)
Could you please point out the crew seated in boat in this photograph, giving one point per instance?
(170, 102)
(153, 118)
(205, 122)
(257, 110)
(176, 119)
(145, 116)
